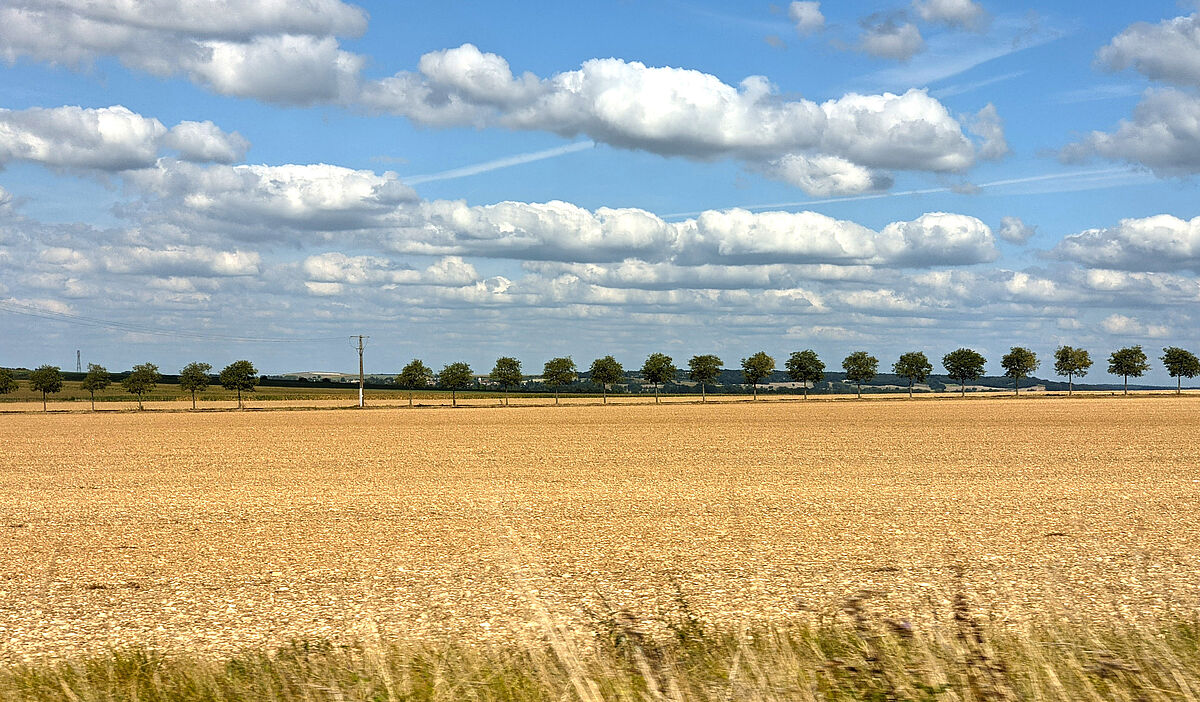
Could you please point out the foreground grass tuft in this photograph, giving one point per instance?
(856, 656)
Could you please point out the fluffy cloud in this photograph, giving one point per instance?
(1168, 51)
(891, 39)
(336, 267)
(145, 260)
(807, 17)
(965, 14)
(1159, 243)
(1122, 325)
(107, 138)
(271, 50)
(313, 197)
(1164, 132)
(1164, 136)
(1015, 231)
(826, 176)
(679, 112)
(988, 126)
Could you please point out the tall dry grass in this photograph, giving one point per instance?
(856, 655)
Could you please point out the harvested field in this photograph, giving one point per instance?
(218, 531)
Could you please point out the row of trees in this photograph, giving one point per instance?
(806, 367)
(241, 376)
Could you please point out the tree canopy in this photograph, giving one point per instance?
(558, 372)
(860, 368)
(1019, 363)
(1180, 364)
(1128, 362)
(241, 376)
(507, 372)
(46, 380)
(415, 376)
(805, 367)
(963, 365)
(914, 367)
(141, 381)
(97, 378)
(659, 368)
(194, 378)
(1073, 363)
(455, 377)
(7, 383)
(606, 371)
(704, 370)
(757, 368)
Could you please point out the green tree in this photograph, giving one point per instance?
(1129, 361)
(606, 371)
(914, 367)
(46, 380)
(1019, 363)
(142, 380)
(558, 372)
(7, 383)
(963, 365)
(658, 369)
(805, 367)
(455, 377)
(756, 369)
(415, 376)
(704, 370)
(1181, 364)
(97, 378)
(240, 376)
(507, 372)
(194, 378)
(1073, 363)
(860, 368)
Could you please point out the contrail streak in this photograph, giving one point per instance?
(499, 163)
(923, 191)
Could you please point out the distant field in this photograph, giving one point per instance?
(218, 531)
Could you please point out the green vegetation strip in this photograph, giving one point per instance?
(855, 656)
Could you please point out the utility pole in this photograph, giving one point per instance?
(361, 380)
(78, 362)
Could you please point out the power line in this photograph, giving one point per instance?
(82, 320)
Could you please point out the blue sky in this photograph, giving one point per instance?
(466, 180)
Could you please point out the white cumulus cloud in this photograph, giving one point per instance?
(107, 138)
(807, 17)
(1158, 243)
(964, 14)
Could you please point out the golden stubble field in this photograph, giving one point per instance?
(218, 531)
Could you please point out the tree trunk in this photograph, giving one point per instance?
(239, 398)
(453, 397)
(43, 400)
(755, 387)
(963, 386)
(806, 389)
(193, 400)
(703, 396)
(604, 392)
(93, 394)
(1179, 385)
(860, 389)
(910, 384)
(504, 400)
(1070, 384)
(656, 393)
(410, 394)
(1127, 385)
(1017, 385)
(555, 394)
(139, 397)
